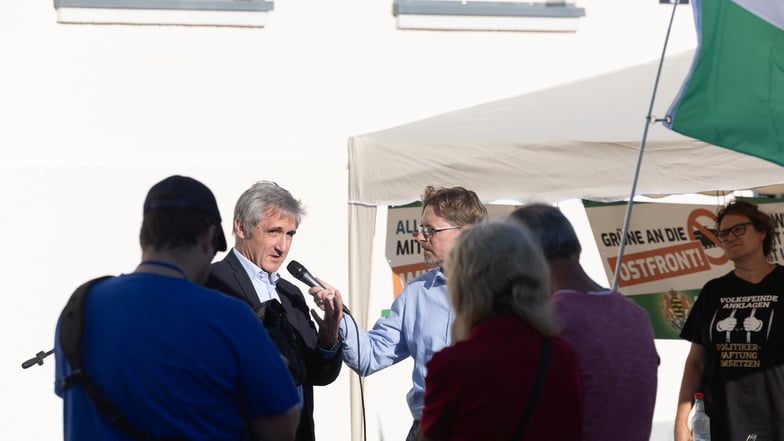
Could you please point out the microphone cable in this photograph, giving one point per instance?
(360, 378)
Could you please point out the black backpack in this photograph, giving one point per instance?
(280, 331)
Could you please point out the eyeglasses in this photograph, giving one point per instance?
(737, 230)
(428, 232)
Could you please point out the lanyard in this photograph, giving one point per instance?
(171, 266)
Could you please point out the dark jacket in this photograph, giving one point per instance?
(229, 277)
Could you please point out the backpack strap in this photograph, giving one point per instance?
(541, 370)
(71, 330)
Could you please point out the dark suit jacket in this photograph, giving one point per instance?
(229, 277)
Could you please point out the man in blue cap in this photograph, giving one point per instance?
(174, 360)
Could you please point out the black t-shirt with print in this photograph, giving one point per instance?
(741, 325)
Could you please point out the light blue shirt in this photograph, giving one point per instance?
(263, 283)
(418, 325)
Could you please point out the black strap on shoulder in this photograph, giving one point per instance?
(536, 390)
(71, 329)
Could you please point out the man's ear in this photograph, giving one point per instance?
(239, 229)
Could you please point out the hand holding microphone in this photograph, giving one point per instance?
(328, 300)
(303, 275)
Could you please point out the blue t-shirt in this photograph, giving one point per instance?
(178, 360)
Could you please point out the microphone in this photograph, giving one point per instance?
(303, 275)
(38, 359)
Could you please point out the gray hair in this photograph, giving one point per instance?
(551, 228)
(497, 268)
(263, 196)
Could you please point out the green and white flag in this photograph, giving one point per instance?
(734, 95)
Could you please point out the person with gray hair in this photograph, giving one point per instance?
(506, 375)
(266, 218)
(612, 335)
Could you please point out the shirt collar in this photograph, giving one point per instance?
(435, 277)
(440, 274)
(254, 272)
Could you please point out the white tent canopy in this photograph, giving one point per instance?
(579, 140)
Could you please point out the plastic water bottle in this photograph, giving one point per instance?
(700, 424)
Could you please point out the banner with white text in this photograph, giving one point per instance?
(671, 252)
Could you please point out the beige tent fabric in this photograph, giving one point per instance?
(362, 223)
(580, 140)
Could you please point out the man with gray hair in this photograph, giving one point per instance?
(266, 218)
(612, 335)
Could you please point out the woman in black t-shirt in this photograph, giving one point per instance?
(737, 350)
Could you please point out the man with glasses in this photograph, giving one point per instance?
(736, 358)
(419, 323)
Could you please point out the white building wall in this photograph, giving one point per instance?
(92, 116)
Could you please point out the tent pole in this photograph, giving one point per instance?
(648, 121)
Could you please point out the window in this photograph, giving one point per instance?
(243, 13)
(482, 15)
